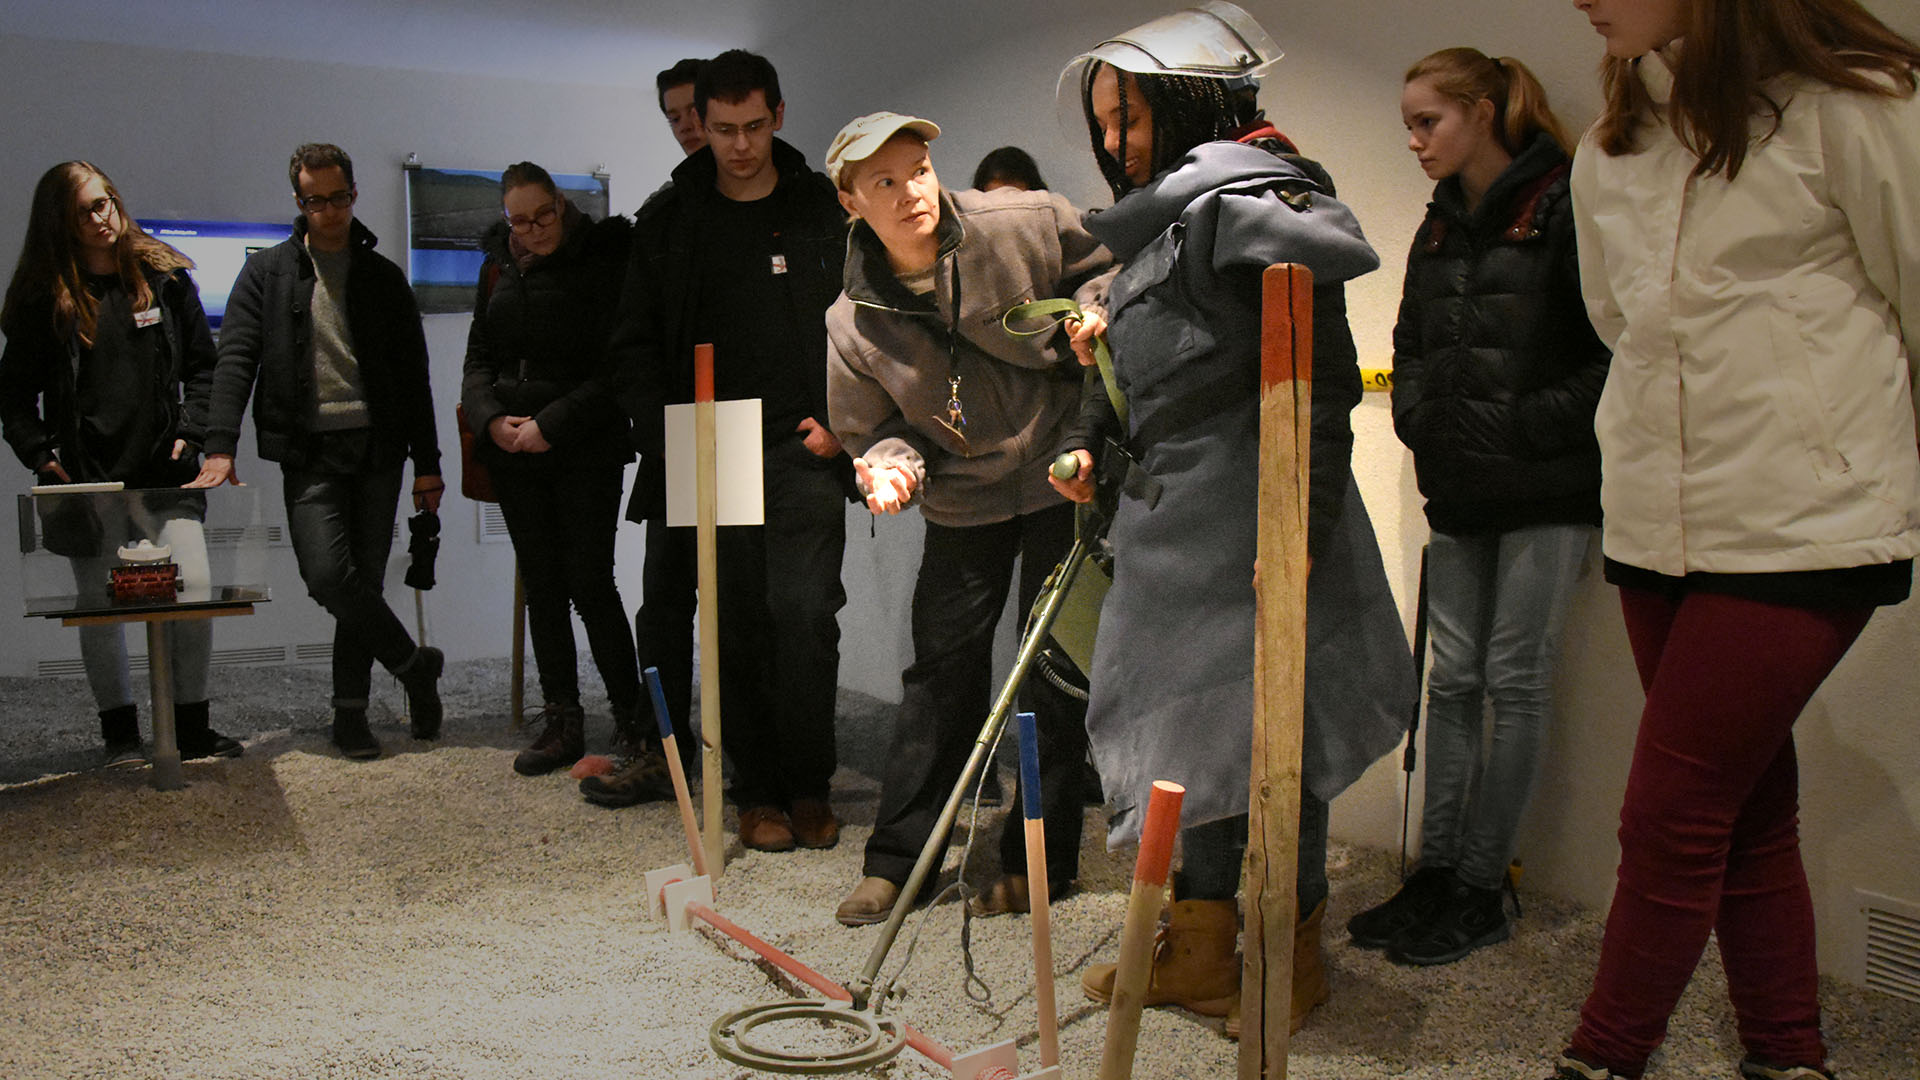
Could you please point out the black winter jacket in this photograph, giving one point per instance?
(38, 388)
(652, 346)
(538, 345)
(266, 350)
(1496, 369)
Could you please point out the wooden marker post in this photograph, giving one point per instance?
(706, 490)
(1039, 900)
(1131, 977)
(1280, 627)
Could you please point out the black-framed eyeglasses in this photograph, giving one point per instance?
(103, 207)
(525, 225)
(339, 200)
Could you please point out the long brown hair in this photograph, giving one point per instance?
(1732, 49)
(1520, 108)
(50, 259)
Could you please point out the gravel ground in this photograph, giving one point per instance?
(430, 914)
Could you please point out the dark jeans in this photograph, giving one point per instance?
(779, 605)
(1709, 828)
(342, 528)
(1212, 854)
(562, 517)
(962, 587)
(663, 627)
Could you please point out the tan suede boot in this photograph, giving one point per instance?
(1194, 962)
(1309, 974)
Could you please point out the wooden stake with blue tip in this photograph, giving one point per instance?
(1037, 890)
(680, 792)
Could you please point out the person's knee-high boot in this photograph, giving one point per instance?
(1195, 965)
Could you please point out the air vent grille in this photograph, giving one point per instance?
(1892, 945)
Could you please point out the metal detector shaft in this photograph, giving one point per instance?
(1408, 759)
(862, 987)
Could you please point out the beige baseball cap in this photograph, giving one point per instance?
(861, 137)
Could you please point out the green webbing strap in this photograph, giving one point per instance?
(1060, 310)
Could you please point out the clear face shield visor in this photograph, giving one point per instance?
(1213, 39)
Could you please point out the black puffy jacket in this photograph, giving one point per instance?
(1496, 370)
(538, 344)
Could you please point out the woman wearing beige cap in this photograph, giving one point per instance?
(944, 410)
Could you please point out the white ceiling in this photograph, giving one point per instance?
(603, 42)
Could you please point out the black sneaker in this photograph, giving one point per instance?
(1467, 918)
(352, 736)
(1413, 905)
(1572, 1068)
(421, 679)
(196, 739)
(124, 755)
(1753, 1070)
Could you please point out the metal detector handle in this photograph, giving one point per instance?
(863, 988)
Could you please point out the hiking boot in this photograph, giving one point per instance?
(765, 828)
(196, 739)
(644, 778)
(120, 732)
(1194, 962)
(1007, 895)
(1467, 918)
(420, 676)
(1753, 1070)
(352, 736)
(560, 743)
(814, 825)
(1309, 975)
(1411, 907)
(870, 902)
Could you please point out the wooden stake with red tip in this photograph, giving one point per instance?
(1131, 977)
(706, 490)
(1279, 679)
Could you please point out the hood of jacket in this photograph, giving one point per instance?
(1535, 160)
(1144, 213)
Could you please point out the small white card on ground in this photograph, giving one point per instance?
(736, 464)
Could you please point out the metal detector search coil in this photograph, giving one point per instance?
(880, 1039)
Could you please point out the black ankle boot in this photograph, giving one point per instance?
(196, 738)
(351, 735)
(120, 731)
(420, 675)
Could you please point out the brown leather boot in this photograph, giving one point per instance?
(1194, 962)
(560, 743)
(1309, 974)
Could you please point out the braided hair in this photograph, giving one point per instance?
(1187, 110)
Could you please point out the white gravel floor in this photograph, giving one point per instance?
(430, 914)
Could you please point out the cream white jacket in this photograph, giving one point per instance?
(1759, 415)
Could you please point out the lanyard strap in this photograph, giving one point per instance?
(1056, 312)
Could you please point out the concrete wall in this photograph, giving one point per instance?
(193, 134)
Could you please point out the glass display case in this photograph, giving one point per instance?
(98, 553)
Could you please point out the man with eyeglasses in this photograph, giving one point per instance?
(324, 336)
(744, 250)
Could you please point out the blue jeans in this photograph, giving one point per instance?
(342, 529)
(1496, 607)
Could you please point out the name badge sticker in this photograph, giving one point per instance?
(149, 317)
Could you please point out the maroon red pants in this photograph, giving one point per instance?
(1709, 831)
